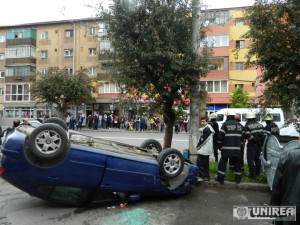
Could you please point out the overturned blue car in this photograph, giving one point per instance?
(59, 165)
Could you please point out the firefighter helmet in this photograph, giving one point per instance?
(213, 116)
(250, 115)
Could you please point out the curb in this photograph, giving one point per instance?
(231, 185)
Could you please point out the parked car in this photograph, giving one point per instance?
(59, 165)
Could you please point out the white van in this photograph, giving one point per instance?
(277, 114)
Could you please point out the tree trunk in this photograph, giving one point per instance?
(169, 120)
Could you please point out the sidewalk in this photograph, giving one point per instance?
(232, 185)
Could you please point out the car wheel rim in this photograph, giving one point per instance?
(48, 142)
(172, 164)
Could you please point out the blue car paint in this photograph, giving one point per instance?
(88, 168)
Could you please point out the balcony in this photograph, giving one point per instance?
(17, 79)
(11, 61)
(21, 41)
(104, 76)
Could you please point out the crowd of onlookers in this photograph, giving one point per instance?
(131, 123)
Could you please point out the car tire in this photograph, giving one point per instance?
(151, 144)
(48, 141)
(171, 163)
(57, 121)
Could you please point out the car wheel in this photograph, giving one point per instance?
(48, 141)
(171, 162)
(152, 145)
(57, 121)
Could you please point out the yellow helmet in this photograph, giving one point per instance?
(268, 117)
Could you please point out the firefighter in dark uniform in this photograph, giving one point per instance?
(229, 141)
(271, 128)
(215, 126)
(231, 161)
(254, 133)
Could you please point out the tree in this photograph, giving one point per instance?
(240, 99)
(274, 32)
(60, 88)
(152, 51)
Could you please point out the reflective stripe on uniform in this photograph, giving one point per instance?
(221, 172)
(233, 135)
(231, 148)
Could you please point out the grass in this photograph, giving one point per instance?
(213, 169)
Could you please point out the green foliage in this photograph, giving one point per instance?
(240, 99)
(230, 176)
(274, 31)
(57, 86)
(153, 52)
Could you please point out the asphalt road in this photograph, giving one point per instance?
(205, 204)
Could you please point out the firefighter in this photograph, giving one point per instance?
(231, 161)
(229, 143)
(215, 126)
(271, 128)
(254, 133)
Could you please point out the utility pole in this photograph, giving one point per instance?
(194, 88)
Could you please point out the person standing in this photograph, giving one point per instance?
(231, 161)
(215, 126)
(271, 128)
(286, 183)
(254, 133)
(204, 149)
(229, 143)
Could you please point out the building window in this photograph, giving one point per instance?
(216, 86)
(92, 31)
(20, 52)
(44, 54)
(239, 66)
(236, 86)
(68, 52)
(69, 70)
(44, 71)
(92, 51)
(92, 70)
(44, 35)
(2, 56)
(218, 17)
(17, 92)
(217, 41)
(20, 71)
(240, 44)
(2, 74)
(1, 91)
(239, 22)
(108, 87)
(18, 35)
(69, 33)
(102, 28)
(2, 38)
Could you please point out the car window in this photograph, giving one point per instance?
(276, 117)
(220, 117)
(65, 194)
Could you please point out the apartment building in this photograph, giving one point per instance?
(29, 48)
(73, 45)
(225, 30)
